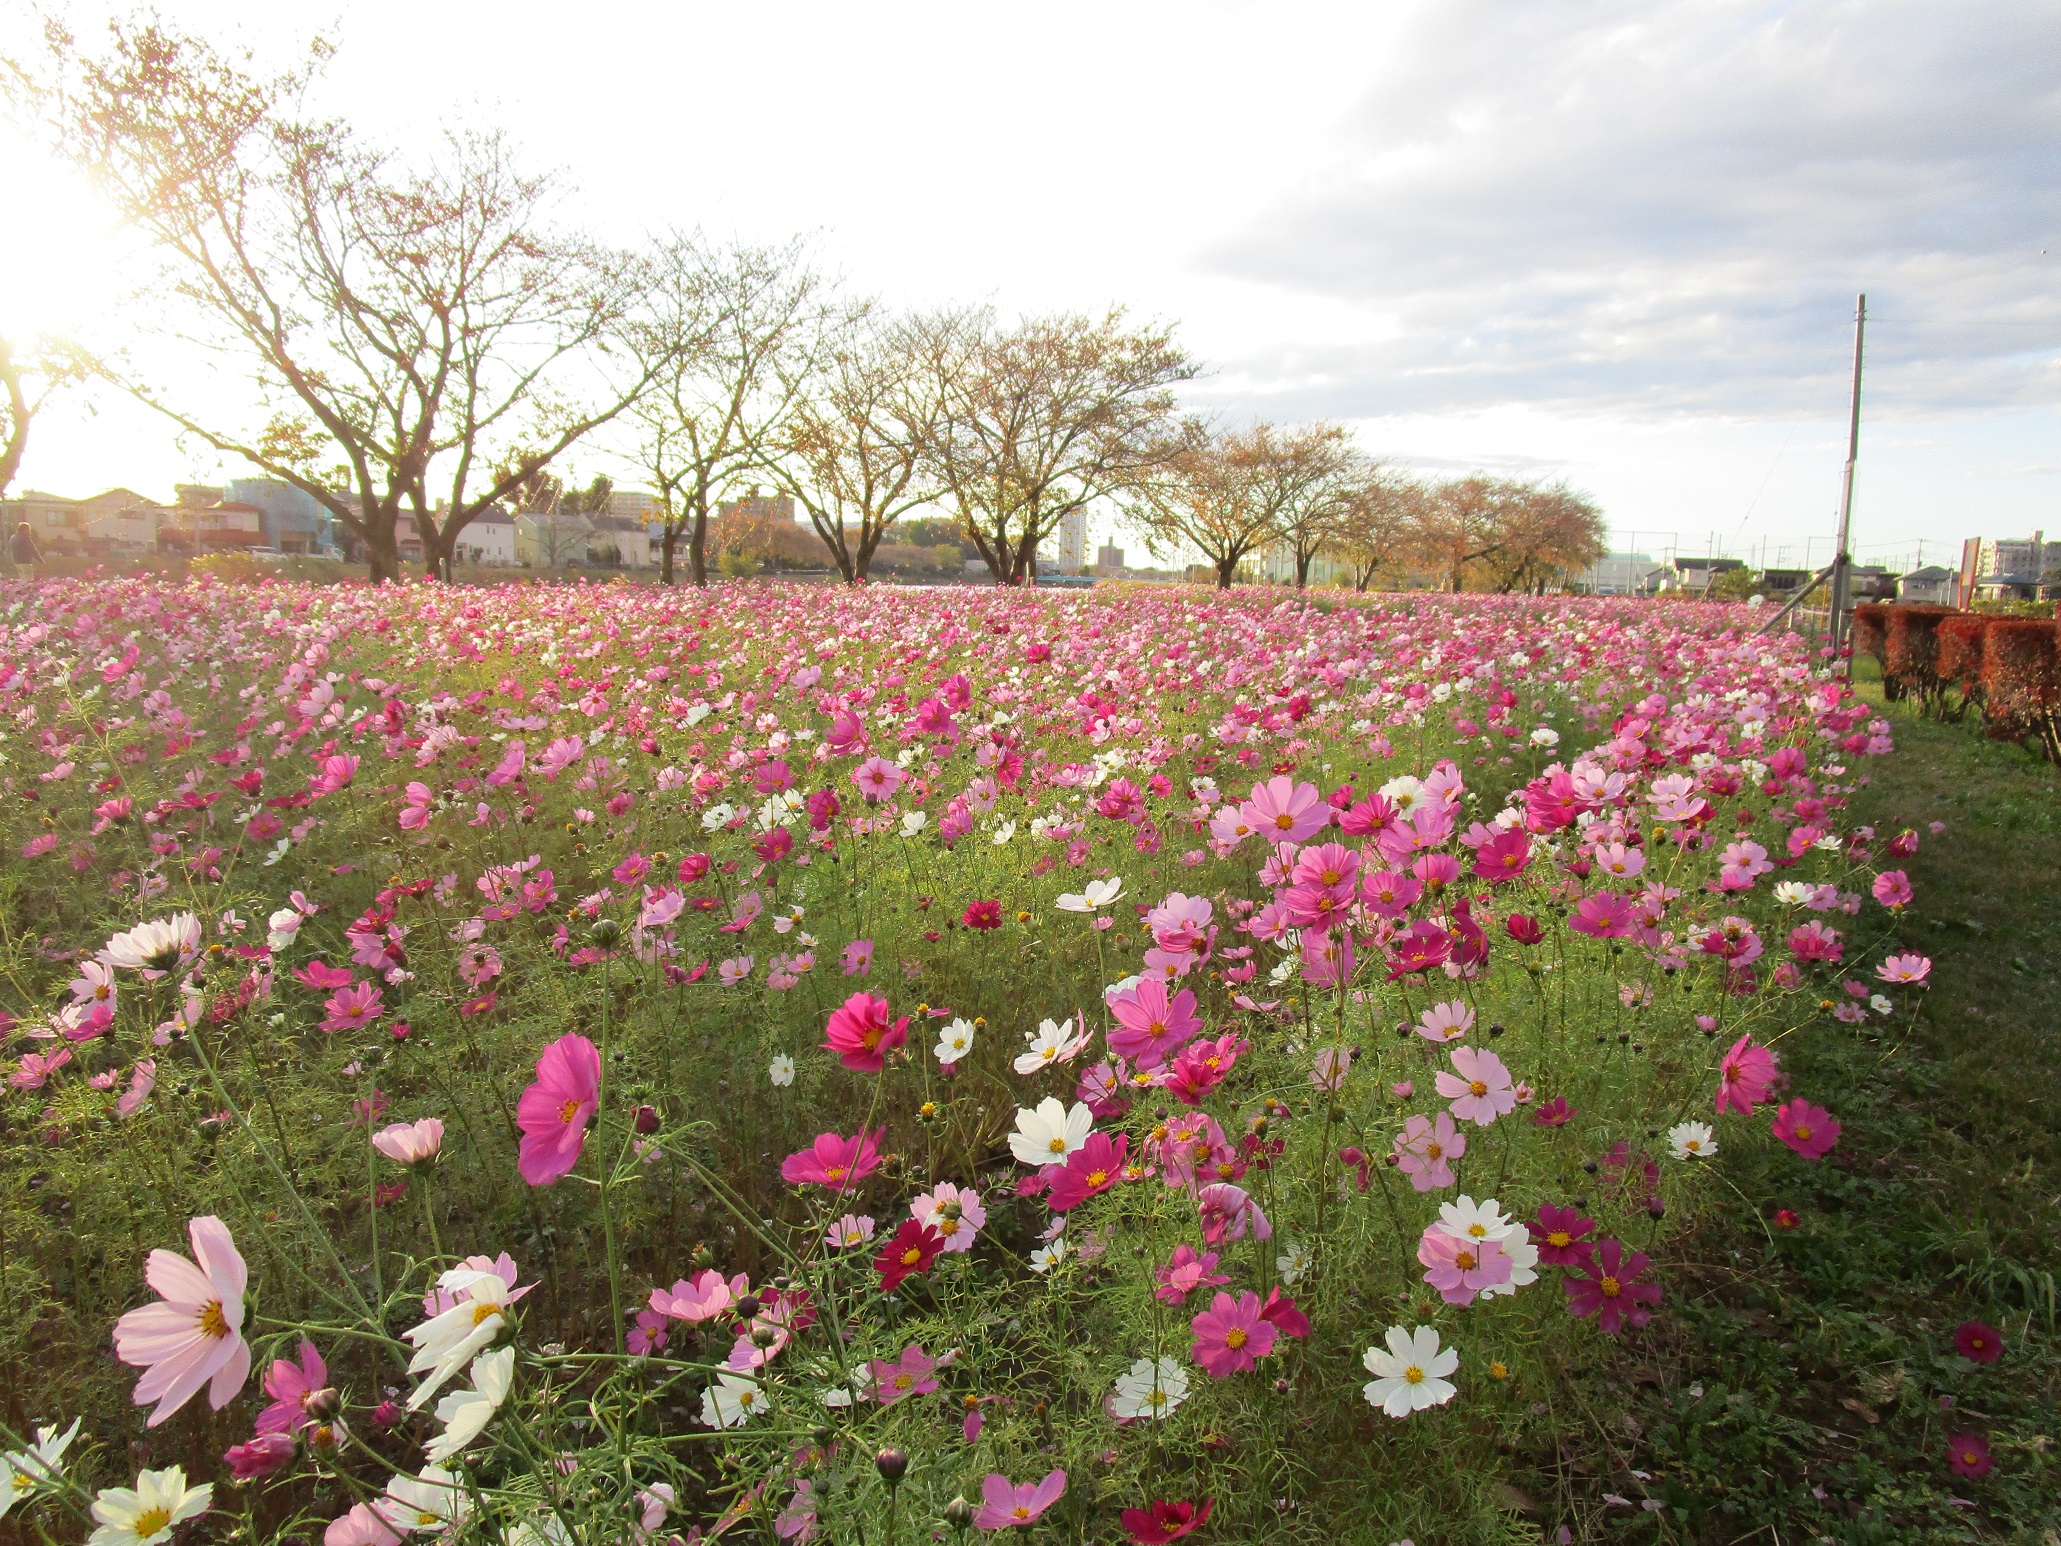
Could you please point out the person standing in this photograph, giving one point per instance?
(22, 552)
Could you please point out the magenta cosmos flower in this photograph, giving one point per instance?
(913, 1374)
(1150, 1026)
(1231, 1335)
(1090, 1170)
(1979, 1342)
(553, 1112)
(194, 1335)
(1283, 811)
(290, 1385)
(1560, 1234)
(1744, 1075)
(1968, 1455)
(1426, 1150)
(1187, 1272)
(1607, 1287)
(1005, 1505)
(1481, 1090)
(1806, 1128)
(861, 1034)
(1602, 916)
(1892, 889)
(833, 1161)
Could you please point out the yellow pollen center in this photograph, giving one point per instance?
(835, 1172)
(1804, 1133)
(568, 1111)
(1234, 1339)
(1478, 1231)
(871, 1039)
(1432, 1151)
(1019, 1512)
(150, 1521)
(903, 1382)
(1284, 821)
(1057, 1146)
(1156, 1029)
(946, 1227)
(1560, 1239)
(1464, 1260)
(212, 1322)
(1157, 1398)
(424, 1518)
(1612, 1288)
(1413, 1375)
(1476, 1087)
(483, 1311)
(912, 1256)
(1098, 1178)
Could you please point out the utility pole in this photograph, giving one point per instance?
(1842, 560)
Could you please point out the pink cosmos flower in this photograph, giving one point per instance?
(1744, 1075)
(1461, 1268)
(290, 1385)
(362, 1526)
(1602, 916)
(833, 1161)
(1892, 889)
(1283, 811)
(1228, 1212)
(1560, 1236)
(322, 977)
(354, 1008)
(1007, 1506)
(1185, 1273)
(1604, 1285)
(1151, 1027)
(1554, 1113)
(1481, 1091)
(37, 1067)
(1503, 857)
(913, 1374)
(1389, 893)
(703, 1297)
(410, 1143)
(1090, 1170)
(861, 1034)
(856, 959)
(1426, 1150)
(1809, 1130)
(878, 779)
(1905, 968)
(1815, 941)
(263, 1456)
(194, 1335)
(554, 1111)
(955, 1212)
(1231, 1336)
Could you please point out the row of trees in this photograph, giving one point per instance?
(424, 341)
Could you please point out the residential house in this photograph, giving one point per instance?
(623, 542)
(1933, 584)
(294, 521)
(224, 526)
(120, 521)
(488, 538)
(1699, 575)
(54, 520)
(551, 540)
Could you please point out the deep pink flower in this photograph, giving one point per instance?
(912, 1249)
(1968, 1455)
(1185, 1273)
(1744, 1075)
(1280, 1312)
(1151, 1027)
(1606, 1286)
(1230, 1335)
(1202, 1065)
(1419, 948)
(832, 1161)
(194, 1335)
(1090, 1170)
(554, 1111)
(1523, 928)
(1007, 1506)
(263, 1456)
(1605, 915)
(861, 1034)
(1892, 889)
(1164, 1521)
(1504, 856)
(1554, 1113)
(982, 915)
(1809, 1130)
(355, 1007)
(1979, 1342)
(1815, 941)
(913, 1374)
(1560, 1236)
(290, 1385)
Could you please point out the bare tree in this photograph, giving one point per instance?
(1210, 497)
(1547, 532)
(729, 339)
(1459, 524)
(407, 318)
(1044, 418)
(1377, 516)
(854, 444)
(1309, 469)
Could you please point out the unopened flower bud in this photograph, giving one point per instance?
(892, 1464)
(959, 1515)
(646, 1119)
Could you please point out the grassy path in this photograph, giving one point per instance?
(1806, 1384)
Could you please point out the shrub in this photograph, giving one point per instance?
(2021, 683)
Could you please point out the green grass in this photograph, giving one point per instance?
(1805, 1383)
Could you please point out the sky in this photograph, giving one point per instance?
(1616, 242)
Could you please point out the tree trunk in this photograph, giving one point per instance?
(382, 554)
(1226, 568)
(439, 554)
(1302, 570)
(668, 535)
(697, 549)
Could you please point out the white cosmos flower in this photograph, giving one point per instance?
(1046, 1257)
(1404, 793)
(1523, 1252)
(1003, 833)
(541, 1530)
(1096, 894)
(145, 1514)
(781, 1070)
(435, 1500)
(154, 948)
(732, 1401)
(718, 815)
(281, 928)
(1881, 1005)
(446, 1343)
(1410, 1374)
(1150, 1390)
(1691, 1140)
(1053, 1043)
(954, 1041)
(466, 1413)
(1466, 1219)
(913, 822)
(22, 1471)
(1046, 1136)
(1794, 893)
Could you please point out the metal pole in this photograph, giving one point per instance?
(1842, 560)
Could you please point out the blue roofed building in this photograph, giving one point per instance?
(294, 521)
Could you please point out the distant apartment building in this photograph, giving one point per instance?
(1071, 555)
(1109, 562)
(2003, 569)
(633, 504)
(759, 505)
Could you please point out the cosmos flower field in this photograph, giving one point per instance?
(608, 1064)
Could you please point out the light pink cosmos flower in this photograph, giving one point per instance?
(410, 1143)
(703, 1297)
(1283, 811)
(955, 1212)
(1446, 1022)
(834, 1161)
(37, 1067)
(913, 1374)
(1460, 1267)
(1228, 1213)
(1481, 1090)
(853, 1229)
(362, 1526)
(878, 779)
(1185, 1273)
(1892, 889)
(355, 1007)
(142, 1080)
(1426, 1149)
(553, 1112)
(1905, 968)
(194, 1335)
(1007, 1506)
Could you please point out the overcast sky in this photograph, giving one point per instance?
(1616, 241)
